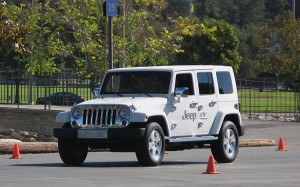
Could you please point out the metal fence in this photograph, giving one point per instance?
(269, 100)
(18, 89)
(258, 99)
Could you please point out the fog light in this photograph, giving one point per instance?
(124, 123)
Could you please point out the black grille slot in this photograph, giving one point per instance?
(99, 117)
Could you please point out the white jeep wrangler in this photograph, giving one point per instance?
(148, 110)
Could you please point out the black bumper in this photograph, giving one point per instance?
(242, 132)
(113, 133)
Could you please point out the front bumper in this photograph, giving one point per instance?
(99, 133)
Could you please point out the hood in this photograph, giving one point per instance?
(136, 101)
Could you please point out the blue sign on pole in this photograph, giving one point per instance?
(111, 7)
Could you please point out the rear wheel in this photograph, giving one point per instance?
(150, 149)
(226, 148)
(71, 153)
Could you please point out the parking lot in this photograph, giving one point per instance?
(254, 166)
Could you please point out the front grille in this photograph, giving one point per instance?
(102, 117)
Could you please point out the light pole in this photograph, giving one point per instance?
(190, 8)
(110, 43)
(294, 8)
(110, 9)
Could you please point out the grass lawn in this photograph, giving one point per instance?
(268, 101)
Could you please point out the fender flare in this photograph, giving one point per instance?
(63, 116)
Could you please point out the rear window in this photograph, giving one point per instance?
(205, 83)
(224, 82)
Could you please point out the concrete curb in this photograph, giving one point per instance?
(51, 147)
(29, 147)
(257, 142)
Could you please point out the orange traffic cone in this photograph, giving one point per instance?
(211, 168)
(281, 146)
(16, 153)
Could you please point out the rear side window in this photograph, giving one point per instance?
(224, 82)
(205, 83)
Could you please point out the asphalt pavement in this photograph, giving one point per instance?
(254, 166)
(263, 129)
(257, 133)
(261, 166)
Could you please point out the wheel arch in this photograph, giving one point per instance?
(235, 118)
(63, 116)
(221, 117)
(161, 121)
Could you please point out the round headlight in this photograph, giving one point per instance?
(124, 113)
(76, 113)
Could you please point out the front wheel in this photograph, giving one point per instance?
(71, 153)
(150, 149)
(226, 148)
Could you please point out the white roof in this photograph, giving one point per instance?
(174, 68)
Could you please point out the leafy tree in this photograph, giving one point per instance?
(152, 38)
(276, 46)
(61, 36)
(69, 37)
(244, 15)
(177, 8)
(276, 7)
(245, 34)
(14, 28)
(48, 36)
(45, 36)
(217, 44)
(235, 12)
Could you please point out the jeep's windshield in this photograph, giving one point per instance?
(136, 82)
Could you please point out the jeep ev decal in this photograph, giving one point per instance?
(189, 116)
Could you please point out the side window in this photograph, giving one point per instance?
(224, 82)
(205, 83)
(185, 80)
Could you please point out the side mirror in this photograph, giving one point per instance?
(182, 91)
(96, 92)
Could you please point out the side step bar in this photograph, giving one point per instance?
(191, 139)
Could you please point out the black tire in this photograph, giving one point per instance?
(150, 149)
(226, 148)
(71, 153)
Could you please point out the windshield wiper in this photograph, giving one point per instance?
(119, 94)
(147, 94)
